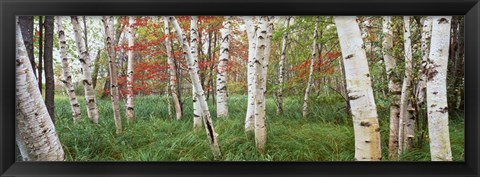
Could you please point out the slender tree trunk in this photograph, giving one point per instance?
(40, 53)
(26, 24)
(90, 99)
(360, 92)
(437, 108)
(310, 73)
(406, 123)
(251, 33)
(200, 94)
(49, 80)
(222, 106)
(35, 132)
(425, 46)
(197, 113)
(130, 113)
(393, 86)
(67, 77)
(96, 65)
(259, 89)
(281, 68)
(109, 30)
(172, 70)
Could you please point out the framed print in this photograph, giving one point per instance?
(256, 88)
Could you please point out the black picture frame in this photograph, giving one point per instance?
(9, 9)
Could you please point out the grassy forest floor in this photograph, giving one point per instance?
(325, 135)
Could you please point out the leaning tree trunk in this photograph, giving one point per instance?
(26, 24)
(109, 30)
(48, 63)
(360, 92)
(280, 68)
(90, 99)
(35, 133)
(129, 112)
(310, 73)
(67, 77)
(393, 86)
(437, 108)
(251, 33)
(222, 108)
(406, 123)
(259, 89)
(197, 114)
(200, 94)
(425, 44)
(172, 71)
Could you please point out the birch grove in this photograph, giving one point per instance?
(222, 106)
(67, 77)
(360, 93)
(437, 108)
(84, 59)
(199, 93)
(35, 133)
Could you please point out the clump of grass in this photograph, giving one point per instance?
(326, 134)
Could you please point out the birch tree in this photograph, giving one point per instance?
(393, 86)
(109, 30)
(437, 108)
(425, 44)
(281, 67)
(197, 113)
(35, 133)
(251, 29)
(66, 75)
(310, 73)
(172, 69)
(406, 122)
(199, 93)
(85, 62)
(359, 89)
(222, 106)
(259, 88)
(130, 112)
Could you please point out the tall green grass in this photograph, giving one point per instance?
(325, 135)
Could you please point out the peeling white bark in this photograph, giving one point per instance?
(281, 68)
(437, 107)
(85, 61)
(359, 89)
(129, 112)
(67, 77)
(200, 94)
(251, 29)
(222, 106)
(35, 132)
(197, 113)
(109, 37)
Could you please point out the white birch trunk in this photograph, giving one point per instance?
(222, 106)
(129, 112)
(67, 77)
(35, 132)
(197, 113)
(437, 108)
(425, 42)
(109, 37)
(359, 90)
(259, 89)
(90, 99)
(200, 94)
(251, 29)
(172, 70)
(405, 121)
(310, 73)
(281, 68)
